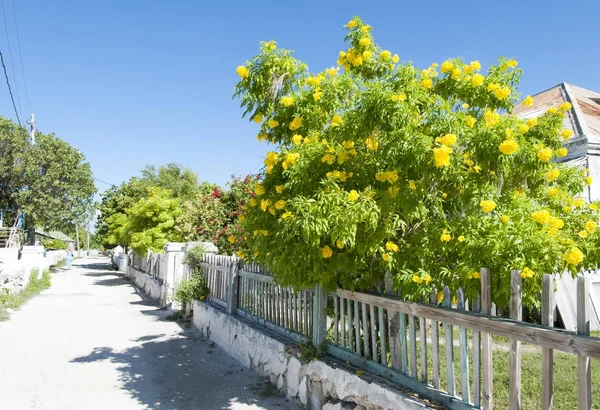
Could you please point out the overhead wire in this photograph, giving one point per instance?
(12, 65)
(21, 56)
(10, 89)
(104, 182)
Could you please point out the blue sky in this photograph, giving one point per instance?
(134, 82)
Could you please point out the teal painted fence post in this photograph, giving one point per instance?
(319, 316)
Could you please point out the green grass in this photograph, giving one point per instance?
(14, 301)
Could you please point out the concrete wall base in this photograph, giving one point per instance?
(317, 384)
(152, 287)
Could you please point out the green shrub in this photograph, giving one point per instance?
(193, 288)
(54, 244)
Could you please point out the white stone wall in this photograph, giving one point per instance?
(316, 384)
(14, 274)
(152, 287)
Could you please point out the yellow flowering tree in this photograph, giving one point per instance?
(380, 166)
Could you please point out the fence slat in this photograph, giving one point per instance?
(464, 353)
(476, 359)
(343, 322)
(393, 326)
(547, 354)
(382, 337)
(365, 328)
(486, 342)
(435, 344)
(514, 359)
(350, 326)
(423, 344)
(335, 320)
(403, 345)
(357, 328)
(412, 335)
(583, 363)
(373, 331)
(449, 347)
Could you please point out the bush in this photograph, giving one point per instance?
(424, 173)
(54, 244)
(194, 287)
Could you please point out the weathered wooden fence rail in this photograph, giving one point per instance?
(402, 341)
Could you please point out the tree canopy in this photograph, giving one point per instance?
(381, 166)
(50, 182)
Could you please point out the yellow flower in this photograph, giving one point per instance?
(444, 195)
(440, 297)
(352, 23)
(290, 159)
(348, 144)
(502, 92)
(553, 192)
(241, 254)
(385, 55)
(364, 29)
(258, 118)
(471, 121)
(279, 189)
(448, 140)
(447, 66)
(412, 185)
(395, 59)
(261, 137)
(541, 217)
(574, 256)
(367, 54)
(477, 80)
(532, 122)
(295, 124)
(566, 133)
(280, 204)
(242, 218)
(372, 144)
(523, 128)
(552, 110)
(259, 190)
(256, 253)
(552, 175)
(427, 83)
(442, 156)
(386, 257)
(336, 121)
(491, 118)
(505, 219)
(588, 180)
(562, 152)
(528, 101)
(272, 123)
(567, 209)
(365, 41)
(512, 63)
(297, 139)
(287, 101)
(242, 71)
(545, 154)
(487, 206)
(317, 94)
(252, 202)
(474, 275)
(264, 204)
(313, 81)
(231, 238)
(456, 73)
(393, 191)
(339, 243)
(391, 246)
(461, 238)
(445, 237)
(329, 158)
(353, 195)
(593, 207)
(287, 215)
(556, 223)
(566, 106)
(591, 226)
(527, 273)
(326, 252)
(398, 97)
(493, 87)
(508, 147)
(417, 279)
(582, 234)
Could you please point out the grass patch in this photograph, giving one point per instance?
(14, 301)
(60, 264)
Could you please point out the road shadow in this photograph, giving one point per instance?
(186, 371)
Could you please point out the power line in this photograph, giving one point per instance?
(12, 65)
(21, 56)
(10, 89)
(104, 182)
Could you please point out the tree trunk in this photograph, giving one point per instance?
(30, 231)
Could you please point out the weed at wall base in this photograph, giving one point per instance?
(35, 286)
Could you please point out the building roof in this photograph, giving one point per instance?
(54, 235)
(584, 116)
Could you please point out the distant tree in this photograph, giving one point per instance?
(149, 224)
(50, 182)
(182, 182)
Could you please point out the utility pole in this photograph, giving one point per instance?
(77, 234)
(88, 239)
(32, 128)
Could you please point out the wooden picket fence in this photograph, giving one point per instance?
(400, 340)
